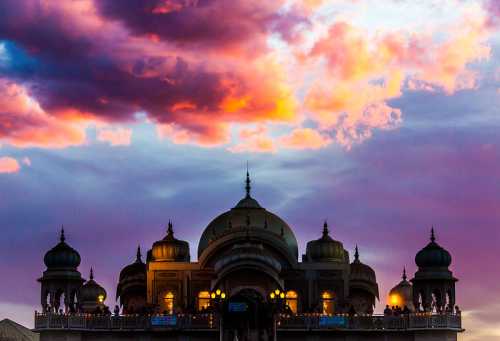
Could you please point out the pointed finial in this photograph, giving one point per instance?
(170, 229)
(404, 274)
(62, 238)
(356, 253)
(433, 236)
(91, 273)
(247, 184)
(325, 228)
(139, 259)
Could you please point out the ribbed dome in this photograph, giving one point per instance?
(325, 249)
(433, 255)
(248, 213)
(62, 256)
(136, 268)
(91, 291)
(360, 271)
(171, 249)
(402, 294)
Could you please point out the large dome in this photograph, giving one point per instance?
(247, 213)
(433, 255)
(170, 249)
(62, 256)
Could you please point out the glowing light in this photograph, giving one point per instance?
(282, 295)
(277, 292)
(272, 295)
(217, 292)
(212, 295)
(100, 298)
(394, 300)
(223, 295)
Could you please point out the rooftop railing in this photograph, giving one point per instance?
(211, 322)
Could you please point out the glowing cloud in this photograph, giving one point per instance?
(115, 136)
(9, 165)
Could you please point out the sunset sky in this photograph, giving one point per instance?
(380, 116)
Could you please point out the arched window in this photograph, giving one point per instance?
(327, 300)
(203, 300)
(291, 300)
(168, 300)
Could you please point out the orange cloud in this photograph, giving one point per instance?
(305, 138)
(115, 136)
(255, 140)
(9, 165)
(23, 123)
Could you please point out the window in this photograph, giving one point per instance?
(203, 300)
(168, 300)
(291, 300)
(327, 300)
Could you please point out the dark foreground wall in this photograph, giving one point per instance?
(427, 335)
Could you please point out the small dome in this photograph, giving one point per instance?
(62, 256)
(360, 271)
(402, 294)
(91, 291)
(171, 249)
(325, 249)
(136, 268)
(433, 255)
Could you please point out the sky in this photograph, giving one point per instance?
(380, 116)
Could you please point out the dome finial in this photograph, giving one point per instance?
(62, 238)
(247, 184)
(325, 228)
(139, 256)
(170, 229)
(404, 274)
(91, 273)
(356, 254)
(433, 236)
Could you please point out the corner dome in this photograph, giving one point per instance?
(170, 249)
(62, 256)
(402, 294)
(433, 255)
(362, 276)
(248, 214)
(326, 249)
(91, 291)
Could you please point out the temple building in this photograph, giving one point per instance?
(248, 283)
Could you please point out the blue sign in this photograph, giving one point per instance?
(237, 307)
(168, 320)
(332, 321)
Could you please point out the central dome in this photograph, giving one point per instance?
(249, 214)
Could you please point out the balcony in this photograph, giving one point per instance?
(210, 322)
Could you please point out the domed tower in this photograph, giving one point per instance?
(61, 280)
(402, 294)
(170, 249)
(363, 287)
(91, 295)
(326, 249)
(132, 286)
(433, 284)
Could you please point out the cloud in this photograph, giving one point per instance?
(305, 138)
(9, 165)
(115, 136)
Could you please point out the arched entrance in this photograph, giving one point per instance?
(247, 315)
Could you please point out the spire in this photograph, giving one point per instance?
(138, 259)
(247, 184)
(325, 229)
(356, 254)
(62, 238)
(170, 229)
(91, 273)
(404, 274)
(433, 237)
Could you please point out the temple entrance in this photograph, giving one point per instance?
(247, 317)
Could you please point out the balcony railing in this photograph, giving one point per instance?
(211, 322)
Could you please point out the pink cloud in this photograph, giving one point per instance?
(115, 136)
(9, 165)
(305, 138)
